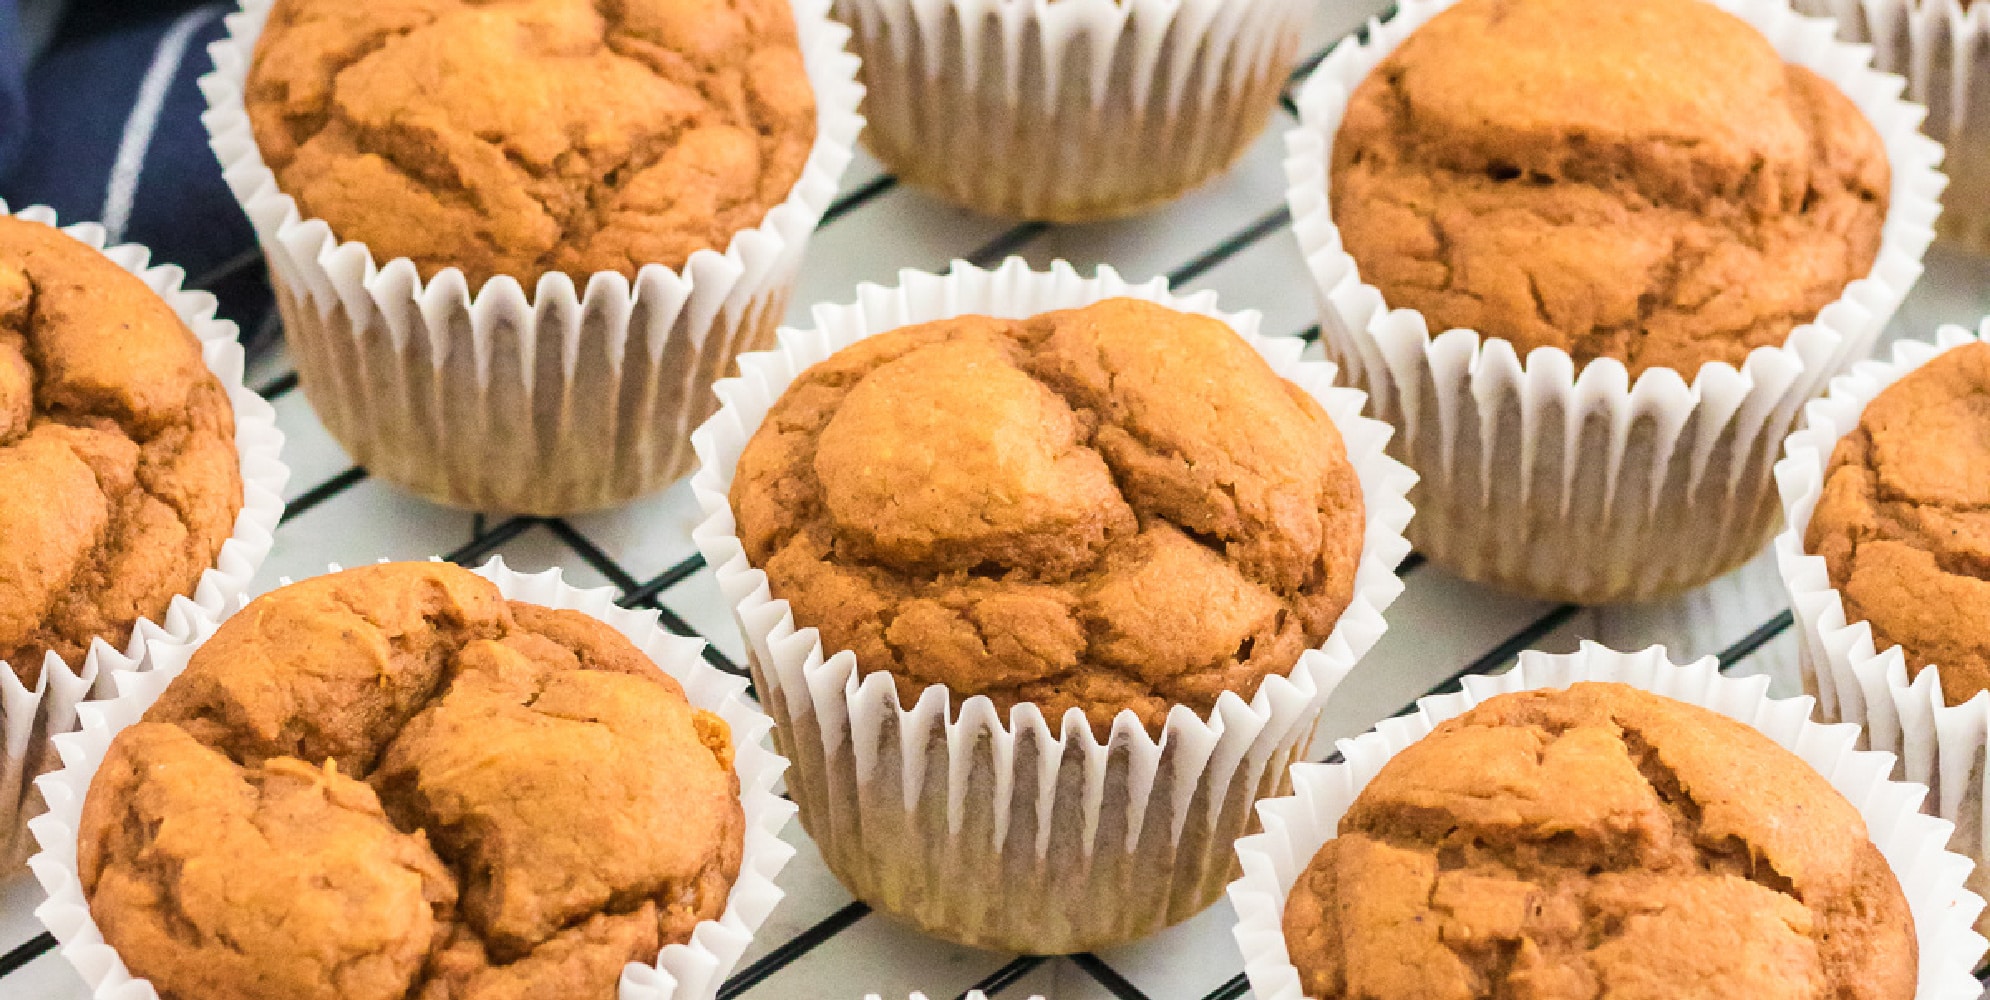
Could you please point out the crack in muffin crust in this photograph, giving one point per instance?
(393, 783)
(1903, 521)
(1599, 842)
(1645, 181)
(525, 136)
(119, 478)
(1114, 507)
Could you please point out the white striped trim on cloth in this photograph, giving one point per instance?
(144, 119)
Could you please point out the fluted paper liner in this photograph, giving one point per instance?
(1296, 826)
(1069, 110)
(561, 401)
(29, 717)
(1942, 47)
(1578, 486)
(1019, 834)
(690, 971)
(1938, 745)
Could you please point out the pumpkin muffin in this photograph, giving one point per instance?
(1599, 841)
(119, 477)
(391, 782)
(1644, 180)
(1118, 507)
(1903, 522)
(521, 137)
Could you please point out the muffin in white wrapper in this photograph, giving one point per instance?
(1938, 745)
(1578, 485)
(544, 401)
(1942, 47)
(28, 718)
(1069, 110)
(690, 971)
(1296, 826)
(1027, 834)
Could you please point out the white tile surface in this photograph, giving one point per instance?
(19, 895)
(48, 977)
(1270, 278)
(1439, 626)
(1146, 245)
(650, 535)
(877, 955)
(813, 896)
(308, 448)
(366, 523)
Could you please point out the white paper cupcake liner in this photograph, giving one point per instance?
(28, 718)
(1069, 110)
(554, 402)
(1940, 746)
(1021, 834)
(1295, 827)
(1579, 486)
(1942, 47)
(691, 971)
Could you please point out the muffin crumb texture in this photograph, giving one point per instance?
(1643, 180)
(392, 783)
(1114, 507)
(119, 478)
(521, 137)
(1599, 842)
(1903, 522)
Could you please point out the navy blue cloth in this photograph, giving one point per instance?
(68, 116)
(13, 87)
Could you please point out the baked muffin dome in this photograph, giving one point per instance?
(1645, 180)
(1113, 507)
(391, 782)
(119, 478)
(526, 136)
(1599, 841)
(1903, 521)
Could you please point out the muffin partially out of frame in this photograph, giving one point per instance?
(1071, 110)
(1887, 563)
(392, 782)
(1599, 841)
(1903, 522)
(119, 476)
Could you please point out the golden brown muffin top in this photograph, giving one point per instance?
(1114, 507)
(1599, 842)
(1903, 522)
(119, 478)
(526, 136)
(392, 783)
(1644, 180)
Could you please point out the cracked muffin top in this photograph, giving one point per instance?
(1643, 180)
(521, 137)
(1903, 522)
(119, 478)
(1114, 507)
(1599, 842)
(391, 783)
